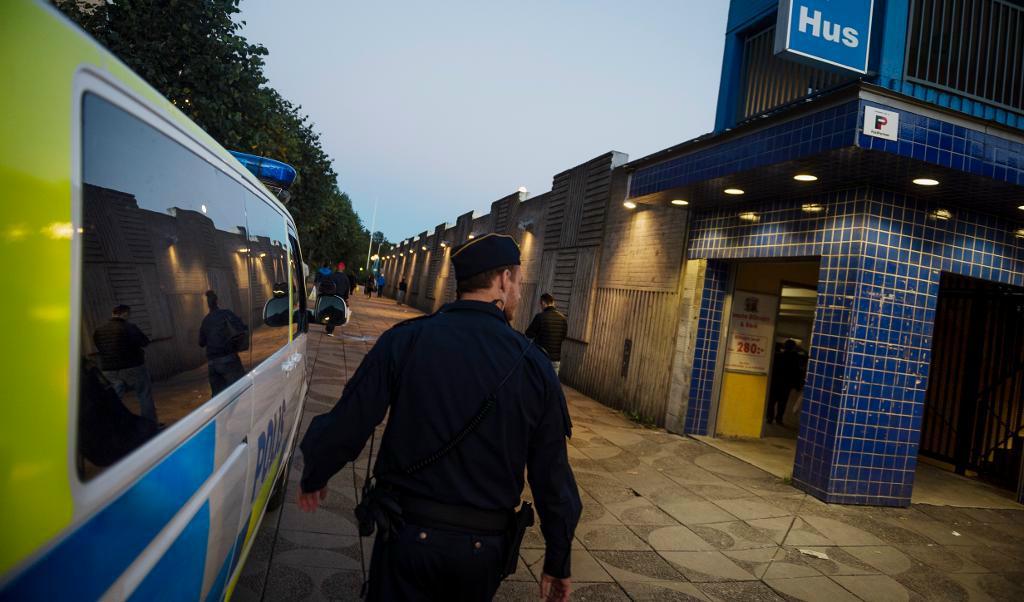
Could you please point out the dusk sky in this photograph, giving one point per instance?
(433, 109)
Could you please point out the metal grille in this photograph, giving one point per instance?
(970, 47)
(771, 82)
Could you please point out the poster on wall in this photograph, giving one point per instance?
(751, 332)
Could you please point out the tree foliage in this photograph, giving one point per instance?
(192, 53)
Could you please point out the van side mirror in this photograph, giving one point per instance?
(330, 309)
(275, 312)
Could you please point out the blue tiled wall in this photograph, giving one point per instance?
(809, 135)
(881, 259)
(923, 138)
(949, 145)
(716, 279)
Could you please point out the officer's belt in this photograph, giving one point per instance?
(435, 515)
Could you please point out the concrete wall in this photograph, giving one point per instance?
(615, 273)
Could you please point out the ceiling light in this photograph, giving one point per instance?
(749, 216)
(424, 247)
(812, 208)
(942, 214)
(680, 202)
(736, 191)
(926, 182)
(1020, 233)
(805, 177)
(1021, 207)
(629, 205)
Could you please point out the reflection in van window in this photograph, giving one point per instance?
(166, 307)
(268, 256)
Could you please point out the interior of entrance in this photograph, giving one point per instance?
(973, 421)
(772, 303)
(974, 408)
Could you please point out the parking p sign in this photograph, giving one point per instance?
(833, 33)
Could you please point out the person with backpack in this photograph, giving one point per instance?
(337, 284)
(223, 334)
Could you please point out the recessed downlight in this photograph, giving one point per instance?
(1020, 233)
(942, 214)
(926, 182)
(805, 177)
(680, 202)
(812, 207)
(1021, 207)
(629, 205)
(749, 216)
(733, 191)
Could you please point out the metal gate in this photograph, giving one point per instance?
(974, 408)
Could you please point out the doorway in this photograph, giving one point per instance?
(771, 303)
(793, 327)
(973, 421)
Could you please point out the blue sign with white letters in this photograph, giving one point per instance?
(834, 33)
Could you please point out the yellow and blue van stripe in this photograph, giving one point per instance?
(91, 558)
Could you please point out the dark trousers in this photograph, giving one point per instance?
(777, 403)
(431, 564)
(223, 371)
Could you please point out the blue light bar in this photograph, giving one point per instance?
(275, 173)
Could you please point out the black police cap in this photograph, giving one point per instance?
(482, 254)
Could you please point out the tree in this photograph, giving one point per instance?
(192, 53)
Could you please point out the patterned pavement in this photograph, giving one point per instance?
(665, 518)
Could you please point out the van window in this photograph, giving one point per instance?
(298, 284)
(167, 309)
(268, 260)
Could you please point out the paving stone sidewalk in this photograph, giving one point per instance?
(665, 518)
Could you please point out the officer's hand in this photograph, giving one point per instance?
(554, 589)
(308, 502)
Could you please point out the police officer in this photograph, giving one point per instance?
(449, 534)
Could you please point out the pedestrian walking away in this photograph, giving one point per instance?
(121, 345)
(402, 288)
(471, 405)
(223, 334)
(380, 285)
(787, 375)
(548, 329)
(340, 285)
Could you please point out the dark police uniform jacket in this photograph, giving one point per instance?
(434, 373)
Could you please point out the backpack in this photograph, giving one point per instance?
(239, 338)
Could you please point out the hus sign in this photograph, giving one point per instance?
(834, 33)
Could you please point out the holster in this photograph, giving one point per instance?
(378, 508)
(522, 521)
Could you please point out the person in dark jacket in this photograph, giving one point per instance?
(122, 356)
(403, 286)
(223, 334)
(548, 329)
(432, 376)
(340, 286)
(787, 374)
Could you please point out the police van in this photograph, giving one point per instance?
(154, 325)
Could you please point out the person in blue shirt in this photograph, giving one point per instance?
(472, 404)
